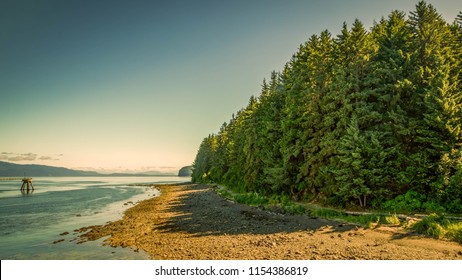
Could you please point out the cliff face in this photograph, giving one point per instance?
(185, 171)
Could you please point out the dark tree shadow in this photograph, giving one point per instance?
(203, 213)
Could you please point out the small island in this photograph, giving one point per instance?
(185, 171)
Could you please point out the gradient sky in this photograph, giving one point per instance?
(137, 84)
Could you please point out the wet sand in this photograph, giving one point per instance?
(190, 221)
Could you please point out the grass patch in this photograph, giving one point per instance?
(275, 203)
(326, 213)
(391, 220)
(435, 225)
(367, 220)
(252, 199)
(438, 226)
(295, 209)
(429, 226)
(454, 231)
(283, 204)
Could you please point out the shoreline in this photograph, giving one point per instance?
(45, 228)
(190, 221)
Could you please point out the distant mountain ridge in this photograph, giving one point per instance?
(8, 169)
(35, 170)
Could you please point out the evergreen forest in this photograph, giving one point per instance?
(366, 119)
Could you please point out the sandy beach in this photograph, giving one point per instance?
(190, 221)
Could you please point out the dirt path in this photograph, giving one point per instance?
(192, 222)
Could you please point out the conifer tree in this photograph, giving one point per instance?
(274, 104)
(205, 159)
(313, 127)
(253, 168)
(391, 96)
(350, 92)
(437, 99)
(293, 110)
(309, 76)
(360, 156)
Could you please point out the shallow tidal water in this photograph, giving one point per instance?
(42, 224)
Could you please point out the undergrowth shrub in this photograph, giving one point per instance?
(295, 209)
(413, 202)
(432, 225)
(251, 199)
(391, 220)
(454, 231)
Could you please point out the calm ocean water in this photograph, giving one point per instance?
(31, 224)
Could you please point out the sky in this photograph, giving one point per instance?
(136, 85)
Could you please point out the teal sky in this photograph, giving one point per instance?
(136, 85)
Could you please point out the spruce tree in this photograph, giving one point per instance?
(267, 119)
(437, 101)
(205, 159)
(350, 93)
(293, 113)
(392, 92)
(313, 126)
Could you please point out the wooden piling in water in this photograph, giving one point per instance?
(27, 182)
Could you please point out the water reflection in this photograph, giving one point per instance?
(26, 192)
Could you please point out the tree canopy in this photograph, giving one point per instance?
(360, 118)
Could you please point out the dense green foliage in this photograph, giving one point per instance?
(358, 119)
